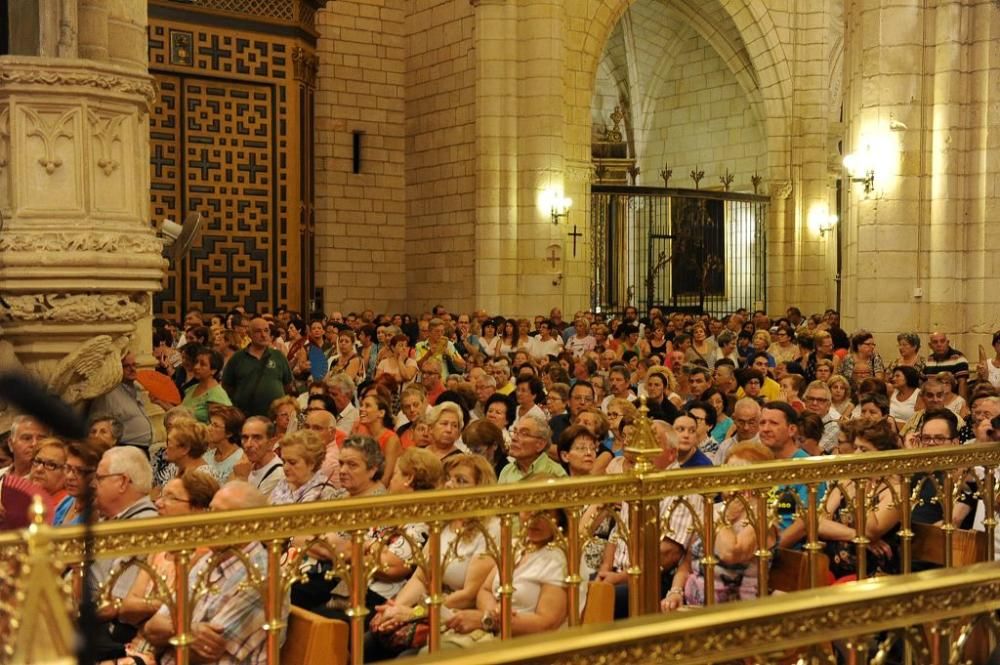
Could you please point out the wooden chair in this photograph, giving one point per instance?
(312, 639)
(600, 603)
(966, 546)
(790, 571)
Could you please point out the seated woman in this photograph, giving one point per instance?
(225, 427)
(577, 450)
(395, 628)
(186, 445)
(191, 493)
(539, 600)
(302, 454)
(735, 546)
(375, 420)
(48, 470)
(207, 390)
(594, 420)
(416, 470)
(881, 522)
(284, 413)
(81, 462)
(446, 421)
(485, 439)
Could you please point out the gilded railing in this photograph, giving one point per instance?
(912, 477)
(939, 614)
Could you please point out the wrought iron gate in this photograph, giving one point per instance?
(679, 249)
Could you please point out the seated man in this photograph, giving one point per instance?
(227, 624)
(529, 445)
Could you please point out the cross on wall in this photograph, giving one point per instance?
(553, 257)
(576, 234)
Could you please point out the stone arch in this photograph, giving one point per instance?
(770, 69)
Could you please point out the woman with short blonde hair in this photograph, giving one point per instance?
(302, 454)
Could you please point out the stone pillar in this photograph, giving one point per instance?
(919, 105)
(78, 257)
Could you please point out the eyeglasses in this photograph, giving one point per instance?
(79, 471)
(938, 440)
(174, 499)
(583, 448)
(48, 465)
(614, 414)
(818, 400)
(101, 476)
(525, 433)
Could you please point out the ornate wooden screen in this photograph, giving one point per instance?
(231, 138)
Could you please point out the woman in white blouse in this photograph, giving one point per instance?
(465, 565)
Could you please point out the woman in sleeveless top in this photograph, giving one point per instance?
(906, 399)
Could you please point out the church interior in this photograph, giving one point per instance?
(668, 174)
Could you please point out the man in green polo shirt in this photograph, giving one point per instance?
(529, 443)
(257, 375)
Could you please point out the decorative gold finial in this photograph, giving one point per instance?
(643, 441)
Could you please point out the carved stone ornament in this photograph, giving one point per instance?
(781, 189)
(107, 131)
(108, 82)
(125, 243)
(76, 308)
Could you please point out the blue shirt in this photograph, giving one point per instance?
(318, 364)
(698, 459)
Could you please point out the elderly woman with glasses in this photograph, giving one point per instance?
(863, 361)
(48, 469)
(784, 348)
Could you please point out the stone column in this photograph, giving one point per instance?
(78, 257)
(919, 105)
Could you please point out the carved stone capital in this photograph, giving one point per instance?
(21, 72)
(781, 189)
(76, 307)
(62, 241)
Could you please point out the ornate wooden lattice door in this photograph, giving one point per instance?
(230, 139)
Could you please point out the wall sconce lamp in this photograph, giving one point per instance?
(560, 207)
(860, 169)
(828, 225)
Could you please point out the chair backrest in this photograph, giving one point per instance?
(790, 570)
(600, 603)
(928, 545)
(312, 639)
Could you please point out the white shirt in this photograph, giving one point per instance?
(347, 419)
(267, 477)
(540, 350)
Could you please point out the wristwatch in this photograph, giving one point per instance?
(489, 622)
(419, 611)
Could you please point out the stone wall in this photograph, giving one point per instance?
(702, 118)
(361, 217)
(440, 155)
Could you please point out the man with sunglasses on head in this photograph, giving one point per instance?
(124, 404)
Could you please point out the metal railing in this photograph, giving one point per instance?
(681, 249)
(937, 614)
(645, 498)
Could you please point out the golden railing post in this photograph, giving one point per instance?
(647, 526)
(359, 589)
(763, 552)
(506, 570)
(812, 546)
(948, 504)
(42, 631)
(434, 596)
(861, 539)
(905, 522)
(274, 600)
(182, 608)
(708, 561)
(573, 554)
(990, 522)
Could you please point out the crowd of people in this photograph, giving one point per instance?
(278, 410)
